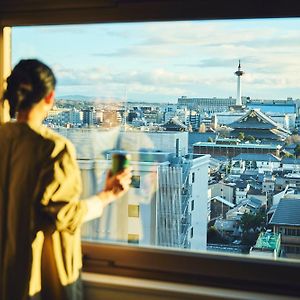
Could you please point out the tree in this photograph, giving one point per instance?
(251, 225)
(241, 136)
(215, 237)
(253, 222)
(297, 150)
(293, 139)
(250, 138)
(202, 128)
(290, 155)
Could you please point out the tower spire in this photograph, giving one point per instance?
(239, 73)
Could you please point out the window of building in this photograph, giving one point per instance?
(135, 181)
(133, 211)
(133, 238)
(192, 205)
(192, 232)
(193, 177)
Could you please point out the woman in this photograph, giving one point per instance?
(40, 185)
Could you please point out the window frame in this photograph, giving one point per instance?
(217, 270)
(197, 268)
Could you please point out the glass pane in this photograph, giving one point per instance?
(208, 112)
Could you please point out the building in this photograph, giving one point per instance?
(166, 205)
(286, 221)
(175, 124)
(289, 179)
(227, 117)
(165, 141)
(232, 150)
(263, 162)
(241, 190)
(224, 190)
(290, 164)
(248, 205)
(267, 245)
(219, 207)
(283, 112)
(89, 116)
(208, 105)
(258, 126)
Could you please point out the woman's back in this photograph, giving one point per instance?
(31, 163)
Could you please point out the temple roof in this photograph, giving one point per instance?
(175, 124)
(255, 119)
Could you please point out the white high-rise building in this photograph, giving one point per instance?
(166, 205)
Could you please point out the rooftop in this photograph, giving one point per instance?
(257, 157)
(195, 137)
(222, 200)
(268, 241)
(244, 145)
(256, 117)
(290, 160)
(274, 108)
(287, 213)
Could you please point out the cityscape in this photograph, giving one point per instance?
(217, 174)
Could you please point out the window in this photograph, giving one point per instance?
(133, 238)
(192, 232)
(192, 205)
(120, 116)
(135, 181)
(193, 177)
(133, 211)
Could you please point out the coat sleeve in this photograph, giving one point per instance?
(60, 183)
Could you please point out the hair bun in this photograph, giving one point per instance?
(23, 91)
(29, 82)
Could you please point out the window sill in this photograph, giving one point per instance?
(96, 284)
(197, 269)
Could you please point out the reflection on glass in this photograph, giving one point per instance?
(217, 169)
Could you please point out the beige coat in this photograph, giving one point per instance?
(40, 215)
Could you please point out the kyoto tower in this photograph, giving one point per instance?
(239, 73)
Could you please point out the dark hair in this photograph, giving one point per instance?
(29, 82)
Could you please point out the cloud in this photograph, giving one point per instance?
(198, 58)
(139, 52)
(113, 83)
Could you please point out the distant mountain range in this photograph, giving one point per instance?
(88, 98)
(82, 98)
(76, 97)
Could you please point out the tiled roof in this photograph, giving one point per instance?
(222, 200)
(257, 119)
(291, 161)
(287, 213)
(242, 145)
(257, 157)
(254, 202)
(195, 137)
(175, 123)
(241, 184)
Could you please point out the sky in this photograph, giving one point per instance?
(162, 61)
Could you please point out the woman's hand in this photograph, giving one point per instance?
(115, 186)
